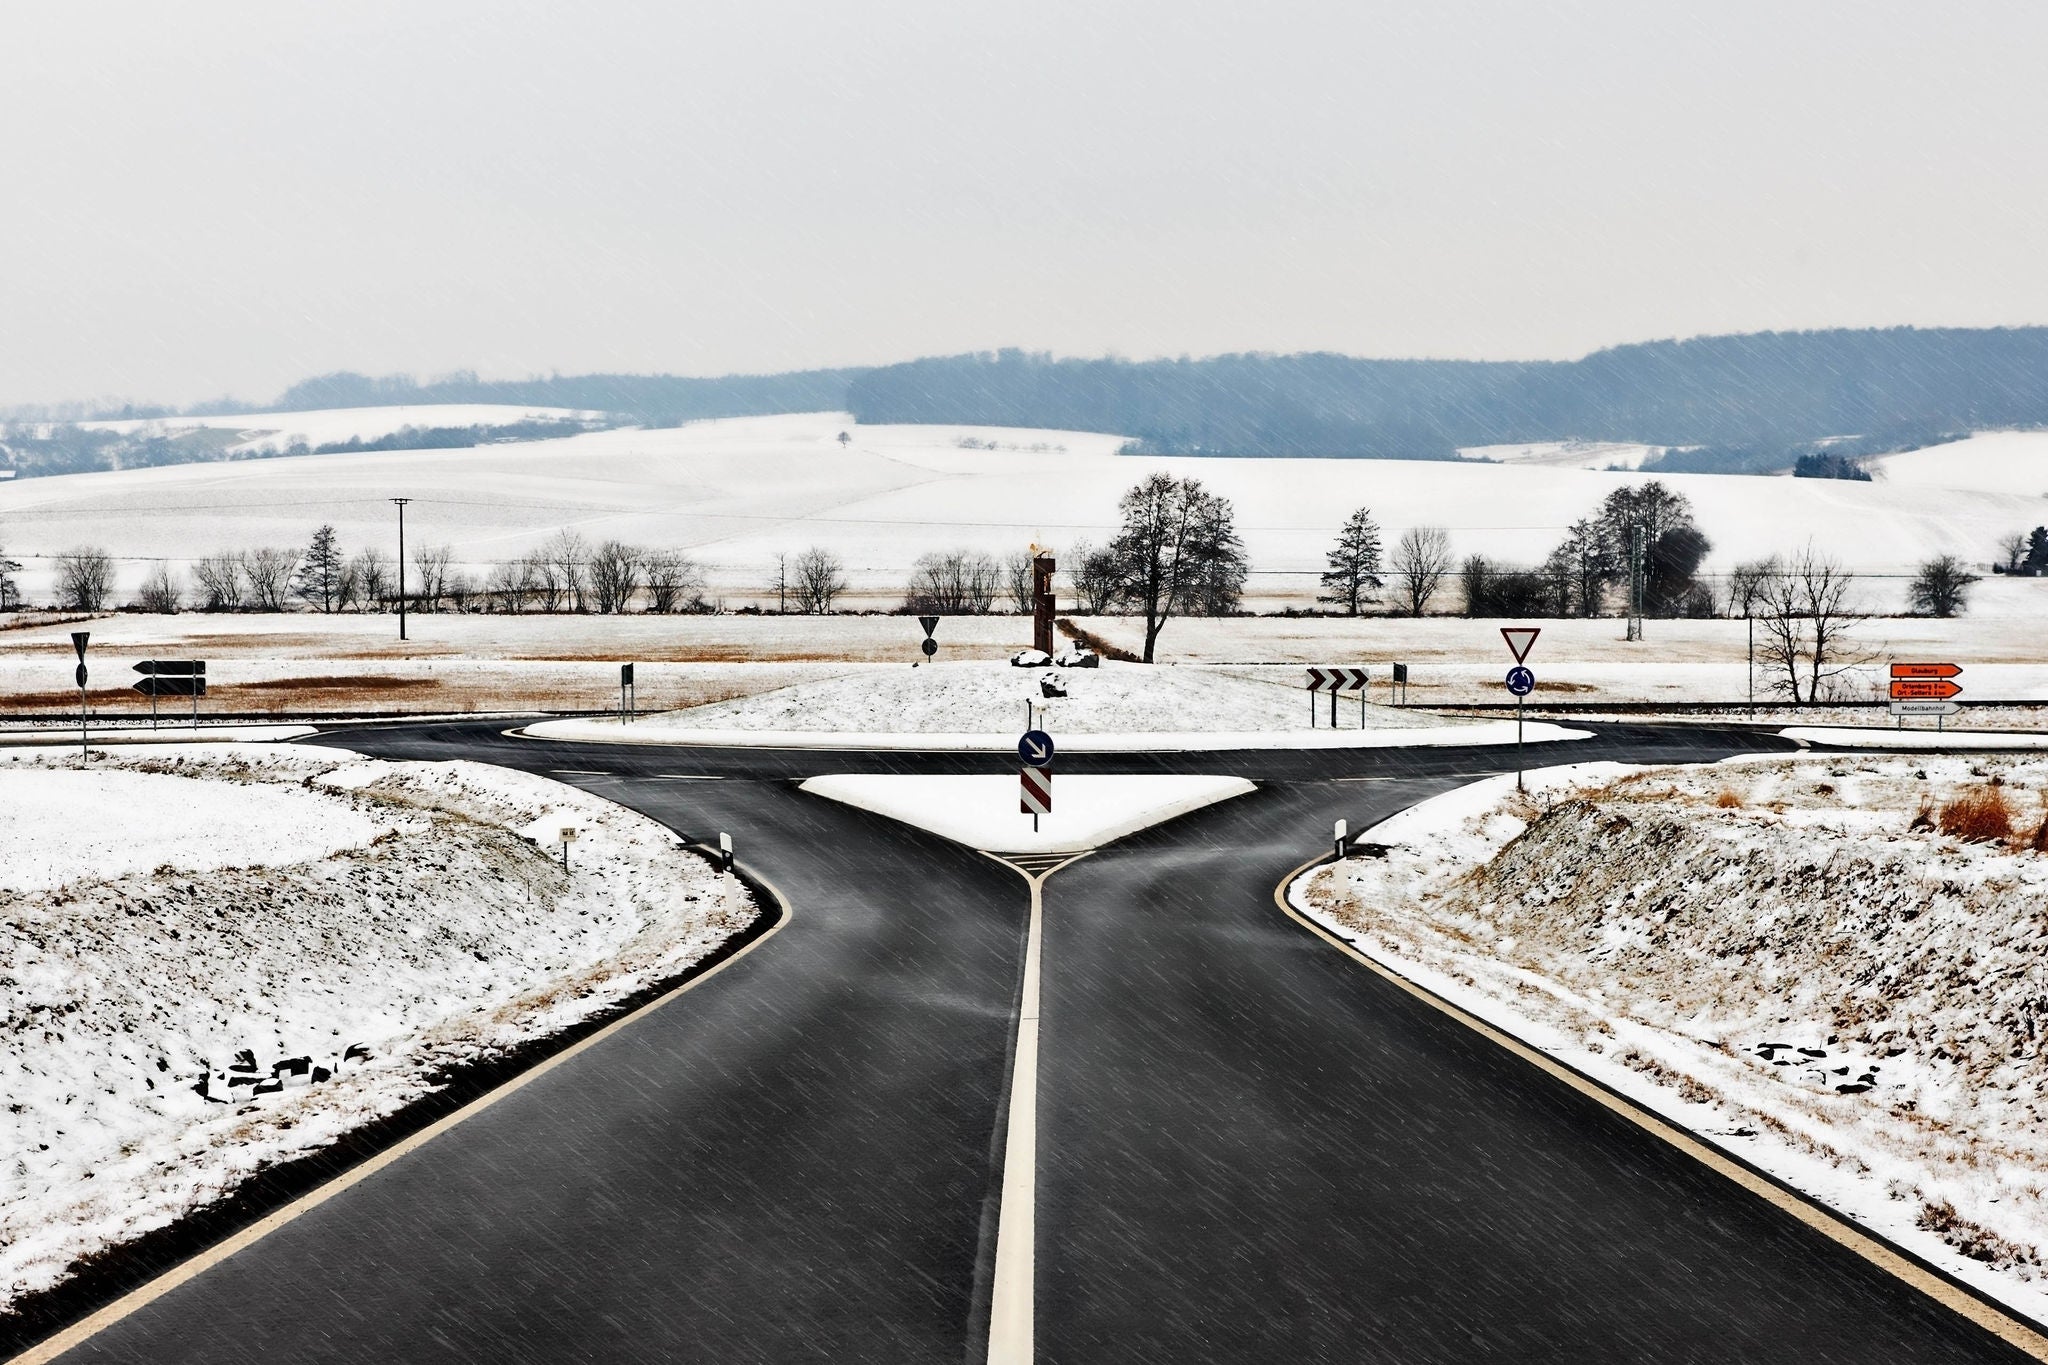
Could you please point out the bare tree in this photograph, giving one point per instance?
(954, 583)
(1176, 551)
(614, 577)
(1018, 581)
(510, 584)
(1942, 587)
(371, 570)
(159, 592)
(1422, 560)
(430, 566)
(10, 591)
(223, 583)
(2012, 551)
(781, 582)
(269, 571)
(545, 581)
(568, 554)
(816, 578)
(85, 577)
(1804, 617)
(1746, 584)
(673, 580)
(1094, 576)
(460, 590)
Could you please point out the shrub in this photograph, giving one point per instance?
(1977, 813)
(1726, 799)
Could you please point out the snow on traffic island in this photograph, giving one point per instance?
(1915, 741)
(220, 958)
(981, 707)
(982, 811)
(1835, 968)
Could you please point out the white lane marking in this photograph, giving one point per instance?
(1011, 1296)
(142, 1297)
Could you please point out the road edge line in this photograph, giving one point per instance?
(143, 1295)
(1897, 1261)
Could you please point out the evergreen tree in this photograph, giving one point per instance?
(317, 580)
(1354, 572)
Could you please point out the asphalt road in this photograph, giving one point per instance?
(1249, 1149)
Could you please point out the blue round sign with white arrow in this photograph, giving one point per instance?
(1035, 748)
(1521, 681)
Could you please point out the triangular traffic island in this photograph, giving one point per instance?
(981, 811)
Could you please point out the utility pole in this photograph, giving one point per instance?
(401, 577)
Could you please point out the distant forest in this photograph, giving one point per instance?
(1754, 403)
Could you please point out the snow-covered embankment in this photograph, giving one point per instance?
(225, 957)
(1812, 963)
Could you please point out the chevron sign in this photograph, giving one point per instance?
(1336, 679)
(1036, 797)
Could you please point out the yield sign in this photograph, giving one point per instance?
(930, 624)
(1521, 639)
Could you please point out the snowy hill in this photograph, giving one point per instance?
(266, 432)
(737, 492)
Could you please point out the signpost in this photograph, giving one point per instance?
(78, 639)
(1034, 748)
(930, 624)
(1401, 682)
(1521, 682)
(1333, 681)
(1925, 690)
(627, 696)
(172, 678)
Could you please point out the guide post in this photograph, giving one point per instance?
(78, 639)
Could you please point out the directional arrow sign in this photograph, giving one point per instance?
(1521, 639)
(1035, 748)
(1924, 689)
(1925, 708)
(173, 667)
(1925, 671)
(1337, 679)
(158, 686)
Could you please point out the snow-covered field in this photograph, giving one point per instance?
(736, 493)
(258, 433)
(1990, 461)
(282, 944)
(1566, 454)
(1788, 956)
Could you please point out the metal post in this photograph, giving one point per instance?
(1333, 708)
(1751, 622)
(1518, 743)
(401, 580)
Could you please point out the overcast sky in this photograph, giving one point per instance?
(213, 198)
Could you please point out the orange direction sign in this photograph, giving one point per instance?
(1521, 639)
(1925, 670)
(1924, 689)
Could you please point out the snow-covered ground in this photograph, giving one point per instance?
(1088, 810)
(382, 923)
(1567, 454)
(1989, 462)
(737, 493)
(262, 432)
(1786, 956)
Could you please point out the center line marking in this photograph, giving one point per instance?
(1013, 1282)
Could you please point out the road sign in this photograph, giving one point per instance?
(930, 624)
(1926, 671)
(172, 667)
(1400, 673)
(1035, 791)
(172, 687)
(78, 639)
(1521, 639)
(1035, 748)
(1925, 708)
(1924, 689)
(80, 675)
(625, 675)
(930, 647)
(1336, 679)
(1521, 681)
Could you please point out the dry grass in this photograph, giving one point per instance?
(1727, 799)
(1977, 814)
